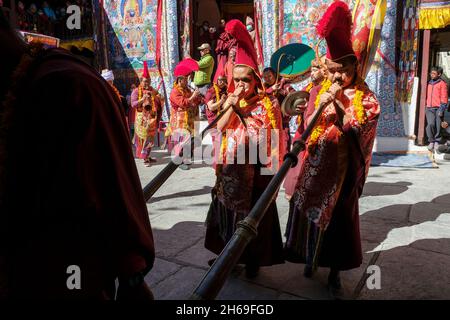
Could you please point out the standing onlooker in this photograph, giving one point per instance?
(277, 87)
(202, 77)
(131, 111)
(437, 99)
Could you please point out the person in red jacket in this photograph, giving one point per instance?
(437, 99)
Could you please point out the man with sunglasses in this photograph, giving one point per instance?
(240, 184)
(323, 224)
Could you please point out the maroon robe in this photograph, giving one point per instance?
(332, 176)
(211, 95)
(72, 192)
(239, 186)
(292, 176)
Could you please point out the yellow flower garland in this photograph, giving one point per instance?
(269, 109)
(319, 129)
(242, 104)
(326, 84)
(359, 112)
(217, 91)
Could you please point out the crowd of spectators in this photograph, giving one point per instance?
(50, 18)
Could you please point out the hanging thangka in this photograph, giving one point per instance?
(408, 50)
(133, 39)
(299, 19)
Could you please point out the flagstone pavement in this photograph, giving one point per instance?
(405, 233)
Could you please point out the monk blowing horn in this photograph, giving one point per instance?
(153, 186)
(214, 279)
(335, 20)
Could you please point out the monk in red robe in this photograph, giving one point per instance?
(279, 89)
(323, 224)
(73, 216)
(215, 98)
(184, 110)
(148, 105)
(239, 185)
(313, 88)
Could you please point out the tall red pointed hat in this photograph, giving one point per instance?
(185, 67)
(335, 26)
(245, 50)
(145, 73)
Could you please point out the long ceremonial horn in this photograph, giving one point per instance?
(153, 186)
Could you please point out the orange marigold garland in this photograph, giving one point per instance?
(269, 108)
(319, 129)
(359, 112)
(116, 91)
(217, 91)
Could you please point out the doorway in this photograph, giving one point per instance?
(440, 56)
(210, 12)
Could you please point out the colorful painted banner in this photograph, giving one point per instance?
(368, 17)
(298, 21)
(133, 39)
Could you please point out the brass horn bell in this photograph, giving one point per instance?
(294, 100)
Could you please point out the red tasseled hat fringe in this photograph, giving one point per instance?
(335, 26)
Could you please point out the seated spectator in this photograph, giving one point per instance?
(22, 21)
(32, 17)
(49, 12)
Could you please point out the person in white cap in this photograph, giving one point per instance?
(202, 77)
(108, 75)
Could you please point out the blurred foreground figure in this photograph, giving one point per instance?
(72, 213)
